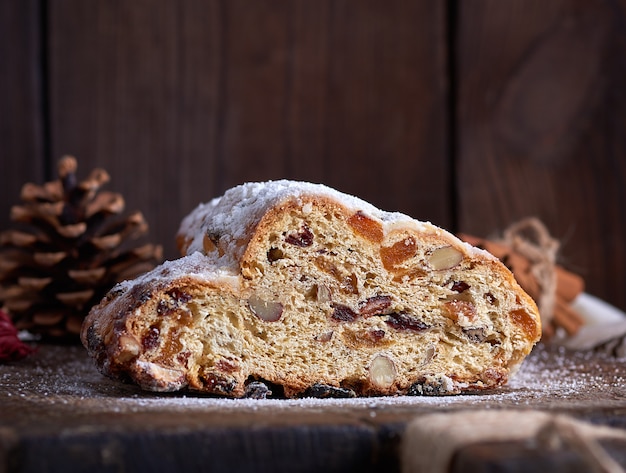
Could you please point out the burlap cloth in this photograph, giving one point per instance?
(430, 441)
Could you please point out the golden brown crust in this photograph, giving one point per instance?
(325, 299)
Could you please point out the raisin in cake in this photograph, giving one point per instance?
(314, 292)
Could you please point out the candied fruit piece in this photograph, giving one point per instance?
(456, 310)
(366, 227)
(365, 338)
(398, 252)
(523, 319)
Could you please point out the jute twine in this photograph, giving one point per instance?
(530, 238)
(431, 441)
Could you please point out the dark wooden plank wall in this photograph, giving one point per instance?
(21, 106)
(542, 127)
(469, 114)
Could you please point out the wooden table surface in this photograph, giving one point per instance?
(57, 413)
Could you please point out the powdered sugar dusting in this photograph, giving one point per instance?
(233, 215)
(549, 378)
(195, 265)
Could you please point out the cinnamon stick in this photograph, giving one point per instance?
(568, 285)
(566, 317)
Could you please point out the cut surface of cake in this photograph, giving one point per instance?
(298, 289)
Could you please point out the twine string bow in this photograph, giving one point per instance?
(530, 238)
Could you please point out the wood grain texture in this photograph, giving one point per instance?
(133, 89)
(347, 93)
(386, 124)
(539, 106)
(180, 101)
(21, 124)
(256, 52)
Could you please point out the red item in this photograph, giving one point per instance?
(11, 347)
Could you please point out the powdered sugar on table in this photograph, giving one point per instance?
(550, 378)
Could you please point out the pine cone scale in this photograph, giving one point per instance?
(10, 260)
(49, 318)
(72, 230)
(16, 303)
(105, 202)
(49, 259)
(49, 192)
(76, 299)
(18, 238)
(34, 284)
(107, 242)
(10, 292)
(87, 276)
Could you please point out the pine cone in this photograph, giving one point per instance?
(70, 245)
